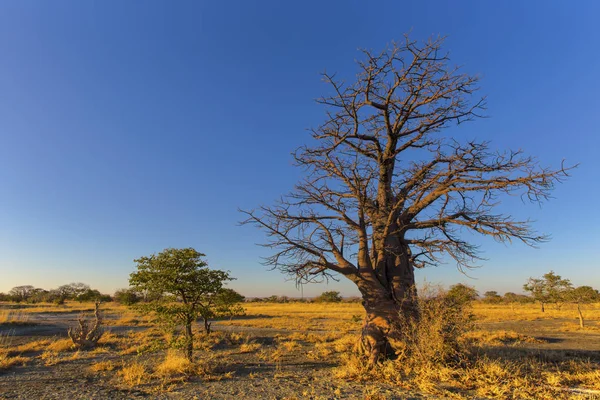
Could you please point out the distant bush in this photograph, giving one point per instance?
(126, 296)
(462, 293)
(328, 297)
(511, 297)
(492, 297)
(276, 299)
(353, 299)
(93, 295)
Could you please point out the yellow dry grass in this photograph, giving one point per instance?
(339, 317)
(105, 365)
(37, 345)
(133, 374)
(174, 364)
(347, 317)
(329, 332)
(9, 317)
(7, 361)
(250, 347)
(499, 337)
(60, 346)
(532, 311)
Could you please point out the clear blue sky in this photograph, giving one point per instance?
(128, 127)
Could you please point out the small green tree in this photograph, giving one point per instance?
(331, 296)
(512, 298)
(21, 293)
(185, 281)
(535, 286)
(71, 291)
(462, 294)
(93, 295)
(582, 295)
(492, 297)
(551, 288)
(556, 288)
(127, 297)
(224, 303)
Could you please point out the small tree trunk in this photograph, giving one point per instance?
(207, 326)
(581, 322)
(543, 307)
(189, 349)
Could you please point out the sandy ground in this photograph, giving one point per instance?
(294, 376)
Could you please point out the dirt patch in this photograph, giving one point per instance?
(252, 362)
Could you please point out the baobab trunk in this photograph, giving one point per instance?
(390, 302)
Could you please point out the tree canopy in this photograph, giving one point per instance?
(385, 192)
(188, 286)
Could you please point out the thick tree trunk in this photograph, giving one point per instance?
(189, 349)
(380, 326)
(389, 299)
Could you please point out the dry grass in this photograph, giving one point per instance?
(495, 365)
(35, 346)
(290, 345)
(250, 347)
(60, 346)
(106, 365)
(499, 337)
(133, 374)
(531, 312)
(8, 317)
(528, 378)
(68, 307)
(175, 364)
(7, 361)
(7, 358)
(335, 317)
(476, 364)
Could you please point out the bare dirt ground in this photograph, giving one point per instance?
(276, 370)
(294, 375)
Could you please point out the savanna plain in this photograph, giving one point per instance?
(299, 350)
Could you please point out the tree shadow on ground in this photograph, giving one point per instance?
(245, 317)
(521, 352)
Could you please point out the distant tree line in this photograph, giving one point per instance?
(331, 296)
(551, 288)
(73, 291)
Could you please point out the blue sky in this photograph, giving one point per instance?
(129, 127)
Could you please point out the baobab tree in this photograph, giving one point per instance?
(386, 193)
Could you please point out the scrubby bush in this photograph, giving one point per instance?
(93, 295)
(492, 297)
(274, 299)
(462, 293)
(127, 296)
(87, 334)
(435, 336)
(510, 297)
(331, 296)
